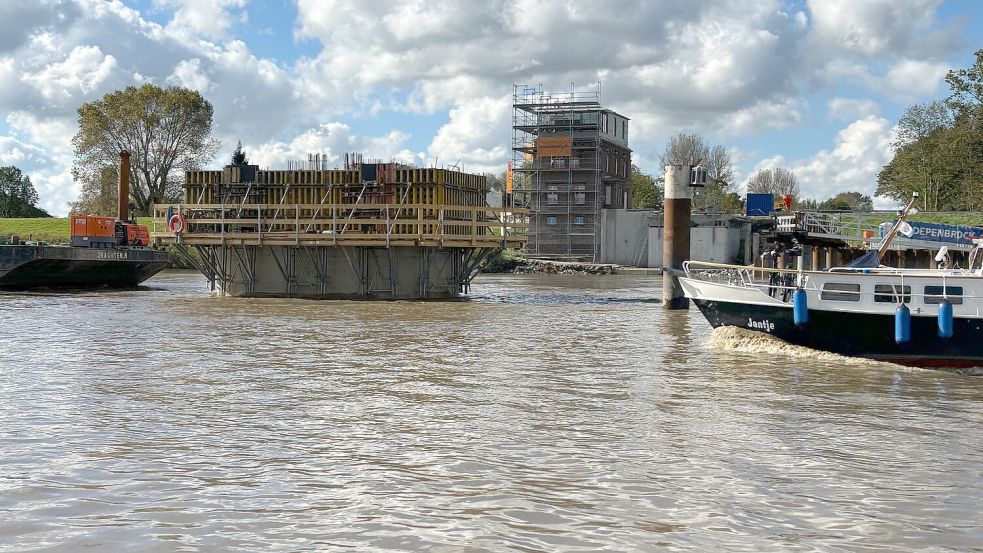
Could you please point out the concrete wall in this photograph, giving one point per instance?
(634, 238)
(716, 244)
(625, 237)
(333, 272)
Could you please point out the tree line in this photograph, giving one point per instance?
(18, 197)
(938, 151)
(721, 195)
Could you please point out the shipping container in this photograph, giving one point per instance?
(760, 205)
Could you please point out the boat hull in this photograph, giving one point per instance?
(39, 267)
(856, 334)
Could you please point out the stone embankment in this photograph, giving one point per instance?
(546, 267)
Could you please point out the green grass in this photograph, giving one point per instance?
(974, 219)
(54, 230)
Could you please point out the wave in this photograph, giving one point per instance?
(742, 340)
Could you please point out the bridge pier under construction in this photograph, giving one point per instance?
(322, 271)
(371, 231)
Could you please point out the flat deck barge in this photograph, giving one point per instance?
(29, 266)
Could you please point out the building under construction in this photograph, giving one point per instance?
(570, 160)
(368, 230)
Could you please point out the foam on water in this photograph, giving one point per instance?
(742, 340)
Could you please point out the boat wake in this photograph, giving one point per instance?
(742, 340)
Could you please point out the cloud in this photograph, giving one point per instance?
(209, 18)
(764, 115)
(860, 152)
(15, 152)
(463, 140)
(725, 68)
(912, 79)
(332, 140)
(876, 28)
(848, 109)
(20, 19)
(189, 74)
(81, 72)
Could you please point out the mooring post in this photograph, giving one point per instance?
(675, 234)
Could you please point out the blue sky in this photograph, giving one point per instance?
(814, 86)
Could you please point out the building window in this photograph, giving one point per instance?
(607, 195)
(552, 198)
(580, 198)
(933, 294)
(624, 130)
(578, 220)
(888, 293)
(840, 291)
(551, 220)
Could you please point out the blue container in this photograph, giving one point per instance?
(760, 205)
(800, 307)
(945, 319)
(902, 324)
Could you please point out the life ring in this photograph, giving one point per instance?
(177, 224)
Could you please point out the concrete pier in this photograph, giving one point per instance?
(371, 231)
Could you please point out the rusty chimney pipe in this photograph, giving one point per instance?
(124, 186)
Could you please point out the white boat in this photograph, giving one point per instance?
(918, 317)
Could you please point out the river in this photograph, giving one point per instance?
(545, 413)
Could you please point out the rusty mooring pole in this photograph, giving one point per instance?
(123, 188)
(675, 234)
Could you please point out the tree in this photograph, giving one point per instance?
(167, 131)
(967, 87)
(99, 193)
(778, 181)
(645, 190)
(688, 149)
(848, 201)
(718, 194)
(239, 156)
(18, 198)
(921, 120)
(939, 150)
(684, 149)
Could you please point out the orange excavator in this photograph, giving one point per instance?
(89, 231)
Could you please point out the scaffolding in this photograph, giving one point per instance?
(570, 160)
(379, 230)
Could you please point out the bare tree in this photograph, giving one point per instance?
(779, 181)
(684, 149)
(720, 170)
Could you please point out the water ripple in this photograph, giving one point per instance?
(543, 414)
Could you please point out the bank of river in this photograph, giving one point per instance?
(546, 413)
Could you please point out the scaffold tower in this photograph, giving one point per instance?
(570, 160)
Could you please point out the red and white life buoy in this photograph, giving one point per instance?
(177, 224)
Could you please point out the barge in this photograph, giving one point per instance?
(108, 252)
(24, 267)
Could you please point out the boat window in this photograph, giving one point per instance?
(889, 293)
(933, 294)
(840, 291)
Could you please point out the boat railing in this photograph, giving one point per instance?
(780, 283)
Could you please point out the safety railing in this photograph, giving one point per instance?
(361, 224)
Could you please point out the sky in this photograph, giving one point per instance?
(815, 86)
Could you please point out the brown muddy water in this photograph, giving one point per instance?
(546, 413)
